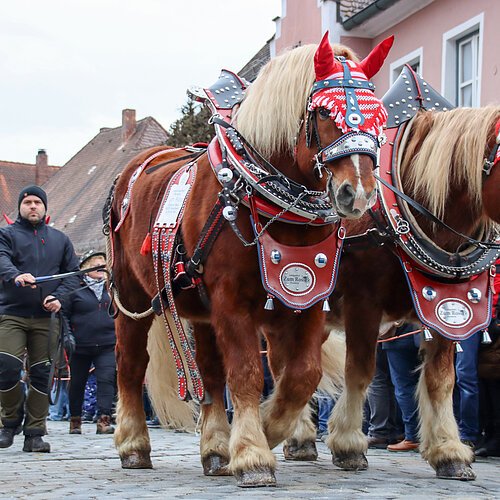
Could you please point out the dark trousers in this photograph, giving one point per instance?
(103, 358)
(466, 397)
(19, 336)
(385, 416)
(402, 356)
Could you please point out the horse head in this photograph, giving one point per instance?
(344, 122)
(314, 115)
(451, 165)
(491, 174)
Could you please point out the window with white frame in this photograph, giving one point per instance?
(414, 59)
(462, 62)
(468, 70)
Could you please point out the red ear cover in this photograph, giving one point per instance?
(372, 63)
(324, 60)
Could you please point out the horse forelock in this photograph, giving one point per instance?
(445, 150)
(275, 104)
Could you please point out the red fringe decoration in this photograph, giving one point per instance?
(8, 219)
(146, 245)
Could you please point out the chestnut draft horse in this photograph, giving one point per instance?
(275, 120)
(445, 168)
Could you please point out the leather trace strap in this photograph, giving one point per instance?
(164, 235)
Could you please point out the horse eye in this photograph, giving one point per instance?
(324, 113)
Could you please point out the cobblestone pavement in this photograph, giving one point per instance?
(87, 467)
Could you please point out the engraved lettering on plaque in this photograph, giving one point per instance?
(175, 200)
(454, 313)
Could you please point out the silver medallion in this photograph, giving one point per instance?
(275, 256)
(429, 293)
(474, 295)
(224, 175)
(230, 213)
(454, 313)
(297, 278)
(320, 260)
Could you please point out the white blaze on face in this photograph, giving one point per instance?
(360, 199)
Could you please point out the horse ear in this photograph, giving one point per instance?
(324, 60)
(372, 63)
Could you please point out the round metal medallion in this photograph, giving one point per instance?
(275, 256)
(297, 279)
(224, 175)
(454, 313)
(320, 260)
(474, 295)
(230, 213)
(429, 293)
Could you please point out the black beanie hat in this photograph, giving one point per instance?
(32, 191)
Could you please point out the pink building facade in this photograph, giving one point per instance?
(453, 44)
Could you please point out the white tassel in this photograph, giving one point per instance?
(486, 337)
(326, 306)
(269, 303)
(458, 347)
(428, 335)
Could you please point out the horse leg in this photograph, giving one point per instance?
(439, 437)
(346, 439)
(131, 435)
(252, 462)
(302, 444)
(295, 356)
(215, 429)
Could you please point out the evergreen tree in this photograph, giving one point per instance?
(192, 126)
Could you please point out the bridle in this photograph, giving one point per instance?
(355, 141)
(494, 156)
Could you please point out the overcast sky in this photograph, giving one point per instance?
(69, 67)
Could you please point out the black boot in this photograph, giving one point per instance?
(7, 436)
(36, 443)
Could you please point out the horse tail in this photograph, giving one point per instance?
(333, 364)
(161, 380)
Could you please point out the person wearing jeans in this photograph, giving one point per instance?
(403, 360)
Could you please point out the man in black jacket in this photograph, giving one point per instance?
(30, 248)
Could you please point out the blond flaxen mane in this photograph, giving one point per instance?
(275, 104)
(453, 149)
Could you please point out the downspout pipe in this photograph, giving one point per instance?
(368, 12)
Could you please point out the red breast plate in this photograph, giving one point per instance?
(300, 276)
(456, 310)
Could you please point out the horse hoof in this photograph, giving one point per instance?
(350, 460)
(451, 469)
(215, 465)
(256, 478)
(137, 460)
(301, 452)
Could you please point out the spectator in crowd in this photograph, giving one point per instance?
(385, 425)
(466, 393)
(94, 332)
(29, 248)
(489, 383)
(403, 360)
(60, 409)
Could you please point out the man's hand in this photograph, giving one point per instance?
(51, 304)
(25, 279)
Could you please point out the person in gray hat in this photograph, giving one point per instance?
(30, 248)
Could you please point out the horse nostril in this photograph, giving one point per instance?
(346, 195)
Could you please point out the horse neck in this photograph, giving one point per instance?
(461, 214)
